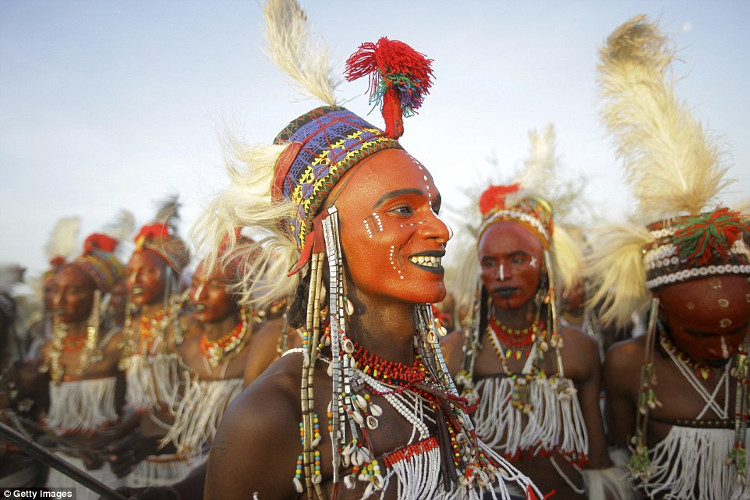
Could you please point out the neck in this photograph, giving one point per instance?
(384, 328)
(517, 319)
(75, 328)
(217, 329)
(152, 308)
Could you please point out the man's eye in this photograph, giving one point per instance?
(402, 210)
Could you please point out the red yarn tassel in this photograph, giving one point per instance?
(400, 77)
(99, 241)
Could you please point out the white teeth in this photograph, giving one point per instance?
(427, 261)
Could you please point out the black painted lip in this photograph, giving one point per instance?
(504, 291)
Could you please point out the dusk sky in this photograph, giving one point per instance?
(112, 105)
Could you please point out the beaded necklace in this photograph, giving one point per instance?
(390, 372)
(73, 344)
(517, 341)
(228, 346)
(87, 344)
(150, 329)
(702, 370)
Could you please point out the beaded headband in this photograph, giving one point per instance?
(99, 263)
(533, 212)
(326, 143)
(157, 237)
(693, 247)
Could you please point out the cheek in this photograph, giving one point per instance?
(397, 260)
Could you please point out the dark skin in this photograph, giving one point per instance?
(266, 415)
(512, 290)
(72, 304)
(146, 278)
(699, 333)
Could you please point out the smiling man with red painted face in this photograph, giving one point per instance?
(366, 408)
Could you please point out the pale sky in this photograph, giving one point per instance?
(111, 105)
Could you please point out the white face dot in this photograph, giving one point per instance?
(532, 263)
(392, 259)
(377, 223)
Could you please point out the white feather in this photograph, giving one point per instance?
(615, 267)
(63, 242)
(296, 52)
(123, 226)
(670, 162)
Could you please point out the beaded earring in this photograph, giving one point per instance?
(91, 352)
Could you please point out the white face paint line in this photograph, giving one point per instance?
(724, 350)
(199, 290)
(367, 226)
(533, 262)
(502, 274)
(378, 221)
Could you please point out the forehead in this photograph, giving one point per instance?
(72, 275)
(218, 272)
(507, 236)
(146, 258)
(384, 172)
(702, 301)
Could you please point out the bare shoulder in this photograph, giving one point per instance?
(257, 443)
(113, 341)
(580, 353)
(625, 355)
(578, 340)
(622, 366)
(270, 330)
(262, 349)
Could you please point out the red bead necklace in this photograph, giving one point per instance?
(216, 351)
(390, 372)
(73, 344)
(512, 337)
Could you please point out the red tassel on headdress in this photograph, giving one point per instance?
(57, 262)
(150, 232)
(400, 77)
(710, 235)
(494, 197)
(99, 242)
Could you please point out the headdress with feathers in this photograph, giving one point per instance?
(281, 190)
(161, 236)
(62, 244)
(674, 169)
(528, 198)
(290, 180)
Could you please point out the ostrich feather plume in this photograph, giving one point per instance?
(63, 241)
(615, 267)
(670, 162)
(296, 52)
(247, 203)
(541, 161)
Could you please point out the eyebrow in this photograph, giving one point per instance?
(395, 194)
